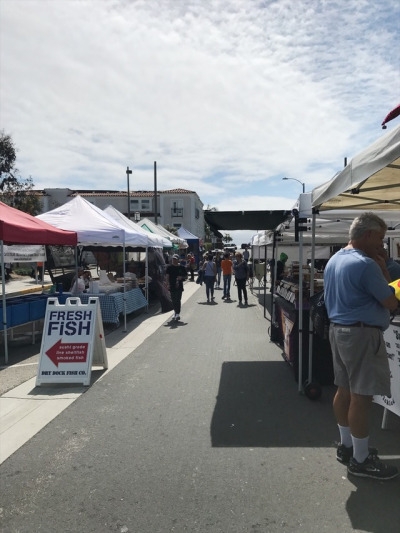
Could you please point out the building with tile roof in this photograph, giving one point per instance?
(175, 207)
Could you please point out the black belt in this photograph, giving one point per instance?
(356, 325)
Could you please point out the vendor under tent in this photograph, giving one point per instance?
(17, 227)
(149, 226)
(94, 228)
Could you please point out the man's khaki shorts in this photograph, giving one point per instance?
(360, 360)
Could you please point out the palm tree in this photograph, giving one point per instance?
(227, 238)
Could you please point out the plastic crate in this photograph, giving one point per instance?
(19, 312)
(37, 308)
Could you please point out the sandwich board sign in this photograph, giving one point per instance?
(73, 341)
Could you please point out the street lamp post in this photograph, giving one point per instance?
(128, 172)
(301, 183)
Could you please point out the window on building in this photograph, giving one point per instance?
(177, 208)
(197, 213)
(146, 205)
(134, 204)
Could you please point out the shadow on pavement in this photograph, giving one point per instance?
(249, 397)
(174, 324)
(259, 406)
(374, 506)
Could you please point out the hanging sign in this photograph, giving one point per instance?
(24, 253)
(73, 341)
(392, 341)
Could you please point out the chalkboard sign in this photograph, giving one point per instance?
(60, 256)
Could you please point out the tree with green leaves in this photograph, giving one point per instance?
(227, 238)
(207, 229)
(171, 229)
(7, 160)
(13, 191)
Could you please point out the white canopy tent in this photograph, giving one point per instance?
(330, 227)
(371, 181)
(156, 229)
(94, 228)
(92, 225)
(154, 240)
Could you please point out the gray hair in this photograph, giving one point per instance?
(366, 222)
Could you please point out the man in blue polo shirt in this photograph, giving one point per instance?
(359, 300)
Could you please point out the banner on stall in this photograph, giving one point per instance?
(73, 341)
(392, 342)
(24, 253)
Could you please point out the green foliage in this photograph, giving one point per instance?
(207, 229)
(171, 229)
(7, 158)
(22, 270)
(13, 191)
(227, 238)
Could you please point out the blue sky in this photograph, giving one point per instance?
(227, 96)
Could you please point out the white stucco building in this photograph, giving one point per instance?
(175, 207)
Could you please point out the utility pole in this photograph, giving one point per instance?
(128, 172)
(155, 194)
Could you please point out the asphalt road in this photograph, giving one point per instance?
(200, 429)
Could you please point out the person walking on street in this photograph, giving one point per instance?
(209, 274)
(218, 260)
(191, 265)
(241, 271)
(226, 267)
(359, 300)
(175, 275)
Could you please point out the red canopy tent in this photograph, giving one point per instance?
(17, 227)
(390, 116)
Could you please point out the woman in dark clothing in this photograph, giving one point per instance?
(241, 271)
(175, 275)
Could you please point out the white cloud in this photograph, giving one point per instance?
(227, 97)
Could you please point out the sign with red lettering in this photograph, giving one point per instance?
(73, 339)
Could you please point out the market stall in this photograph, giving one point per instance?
(114, 304)
(370, 182)
(94, 227)
(290, 319)
(17, 227)
(286, 333)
